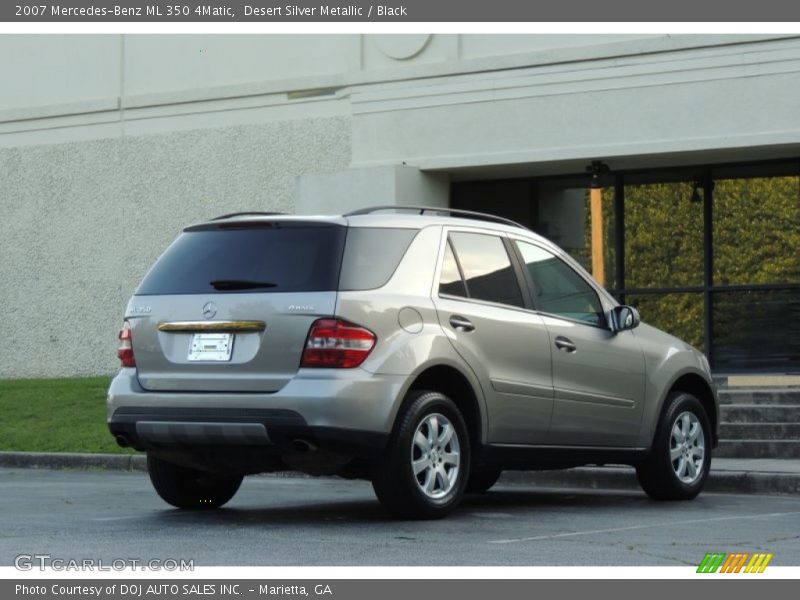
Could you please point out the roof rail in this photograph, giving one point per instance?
(456, 212)
(242, 214)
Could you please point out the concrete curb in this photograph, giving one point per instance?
(71, 460)
(624, 478)
(619, 478)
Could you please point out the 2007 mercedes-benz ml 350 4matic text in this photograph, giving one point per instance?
(423, 349)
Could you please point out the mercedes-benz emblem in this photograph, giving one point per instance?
(209, 310)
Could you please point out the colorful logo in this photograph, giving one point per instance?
(744, 562)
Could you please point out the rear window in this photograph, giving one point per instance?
(249, 258)
(371, 256)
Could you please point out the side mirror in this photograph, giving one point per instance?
(625, 317)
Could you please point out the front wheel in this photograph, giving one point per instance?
(680, 458)
(188, 488)
(424, 471)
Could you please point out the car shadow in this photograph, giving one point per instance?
(368, 511)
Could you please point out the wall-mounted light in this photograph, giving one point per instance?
(696, 198)
(696, 187)
(597, 168)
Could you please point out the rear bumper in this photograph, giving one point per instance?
(350, 412)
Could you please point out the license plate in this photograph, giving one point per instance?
(215, 347)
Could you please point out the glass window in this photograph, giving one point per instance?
(678, 314)
(371, 256)
(564, 216)
(756, 330)
(757, 230)
(487, 269)
(247, 258)
(558, 289)
(450, 282)
(663, 235)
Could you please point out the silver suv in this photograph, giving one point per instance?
(423, 349)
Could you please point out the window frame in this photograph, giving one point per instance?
(449, 246)
(522, 285)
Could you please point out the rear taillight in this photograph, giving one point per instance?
(125, 349)
(337, 344)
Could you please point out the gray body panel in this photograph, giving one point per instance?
(599, 388)
(347, 399)
(667, 359)
(509, 351)
(262, 361)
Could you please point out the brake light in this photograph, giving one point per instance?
(333, 343)
(125, 349)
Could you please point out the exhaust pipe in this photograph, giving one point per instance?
(122, 441)
(301, 445)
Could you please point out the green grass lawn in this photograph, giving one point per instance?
(55, 415)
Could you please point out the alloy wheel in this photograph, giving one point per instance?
(687, 447)
(435, 456)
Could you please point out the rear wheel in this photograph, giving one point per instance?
(482, 478)
(188, 488)
(423, 473)
(679, 461)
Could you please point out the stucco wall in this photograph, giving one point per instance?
(81, 222)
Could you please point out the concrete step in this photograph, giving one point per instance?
(782, 449)
(760, 396)
(759, 431)
(765, 380)
(760, 413)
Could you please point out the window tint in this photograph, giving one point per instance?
(451, 282)
(487, 269)
(371, 256)
(284, 258)
(558, 289)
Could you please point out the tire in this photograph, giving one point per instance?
(482, 478)
(677, 466)
(443, 466)
(191, 489)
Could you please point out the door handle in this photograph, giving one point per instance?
(565, 344)
(461, 324)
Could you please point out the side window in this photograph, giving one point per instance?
(371, 255)
(451, 282)
(558, 289)
(487, 270)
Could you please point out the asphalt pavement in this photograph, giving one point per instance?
(728, 475)
(108, 515)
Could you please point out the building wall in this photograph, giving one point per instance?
(82, 221)
(724, 102)
(110, 144)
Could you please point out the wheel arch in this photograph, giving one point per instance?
(454, 384)
(697, 385)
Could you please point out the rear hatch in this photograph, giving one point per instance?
(228, 305)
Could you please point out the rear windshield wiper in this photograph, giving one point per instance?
(240, 284)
